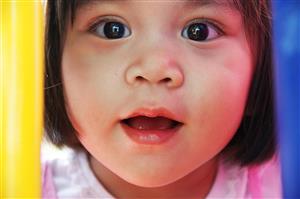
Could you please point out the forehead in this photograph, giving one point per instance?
(197, 3)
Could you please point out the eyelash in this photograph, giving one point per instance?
(216, 25)
(208, 22)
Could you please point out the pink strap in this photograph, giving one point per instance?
(48, 188)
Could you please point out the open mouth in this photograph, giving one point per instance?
(145, 123)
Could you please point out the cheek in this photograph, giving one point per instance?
(218, 94)
(86, 89)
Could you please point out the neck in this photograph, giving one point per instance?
(197, 184)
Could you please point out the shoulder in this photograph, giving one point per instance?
(259, 181)
(71, 176)
(63, 174)
(58, 168)
(230, 181)
(65, 163)
(265, 180)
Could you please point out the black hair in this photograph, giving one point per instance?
(254, 141)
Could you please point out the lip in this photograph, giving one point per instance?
(155, 112)
(152, 137)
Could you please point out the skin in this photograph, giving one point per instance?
(206, 83)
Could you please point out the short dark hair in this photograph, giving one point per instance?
(254, 141)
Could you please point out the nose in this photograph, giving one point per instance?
(155, 68)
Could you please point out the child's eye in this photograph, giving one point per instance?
(201, 31)
(110, 29)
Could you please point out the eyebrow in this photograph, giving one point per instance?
(208, 2)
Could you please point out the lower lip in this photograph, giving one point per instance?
(150, 137)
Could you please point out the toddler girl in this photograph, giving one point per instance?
(160, 99)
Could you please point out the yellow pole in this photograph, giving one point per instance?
(21, 96)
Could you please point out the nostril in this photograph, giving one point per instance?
(166, 80)
(139, 78)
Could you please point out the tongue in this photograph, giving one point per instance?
(148, 123)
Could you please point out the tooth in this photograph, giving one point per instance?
(144, 138)
(153, 137)
(150, 137)
(140, 127)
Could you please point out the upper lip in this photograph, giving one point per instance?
(155, 112)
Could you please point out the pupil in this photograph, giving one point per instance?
(198, 32)
(114, 30)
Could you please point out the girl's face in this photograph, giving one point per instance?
(190, 58)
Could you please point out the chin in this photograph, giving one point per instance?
(151, 180)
